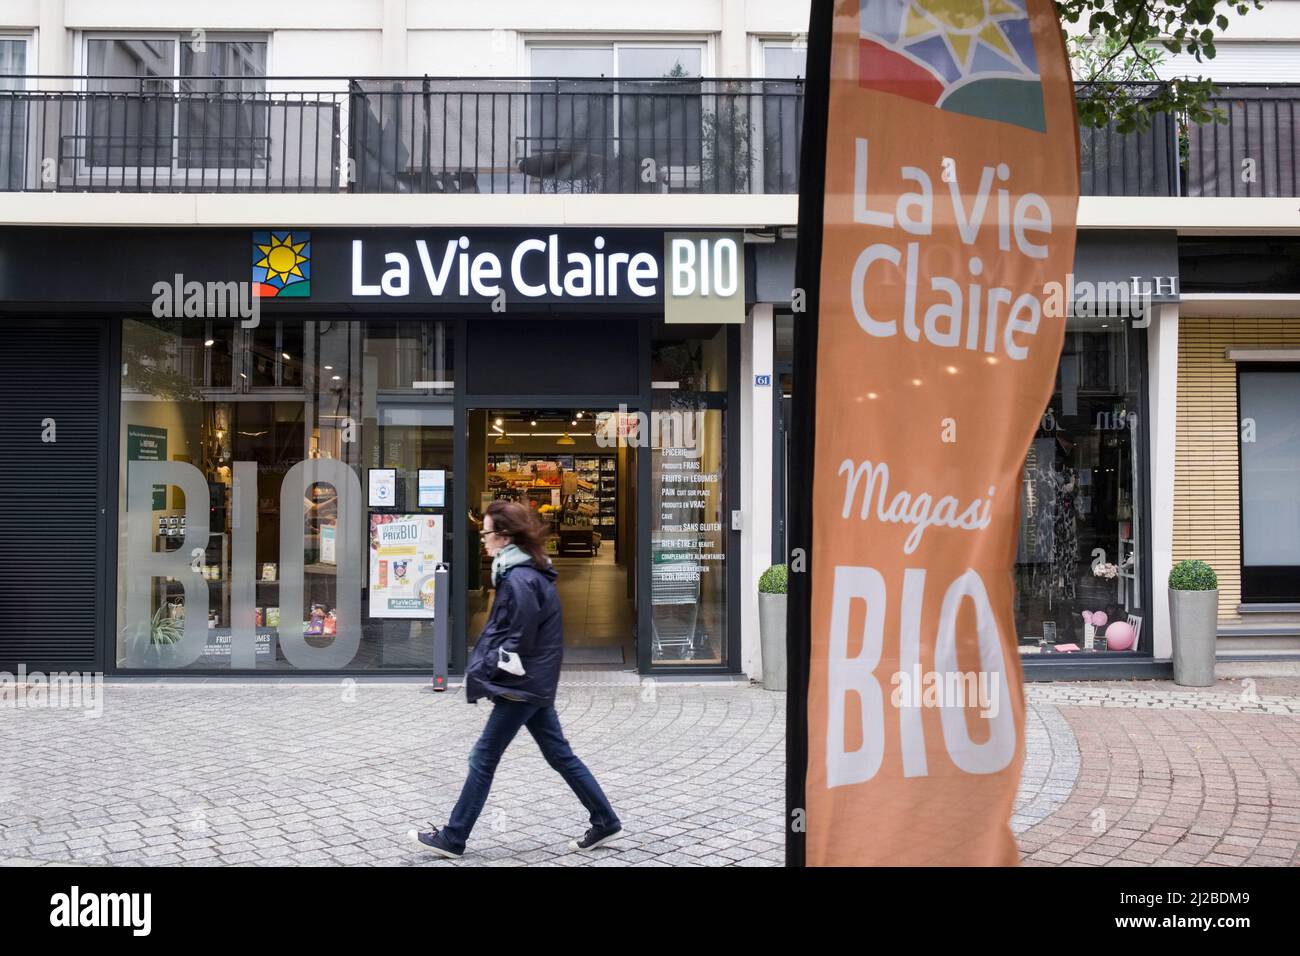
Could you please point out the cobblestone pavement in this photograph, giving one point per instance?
(326, 773)
(275, 773)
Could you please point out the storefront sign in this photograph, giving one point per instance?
(568, 266)
(950, 194)
(404, 551)
(497, 267)
(706, 277)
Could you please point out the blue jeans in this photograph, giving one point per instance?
(502, 725)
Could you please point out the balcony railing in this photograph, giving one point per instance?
(427, 135)
(1257, 153)
(401, 135)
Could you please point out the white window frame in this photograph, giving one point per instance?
(706, 43)
(27, 38)
(614, 42)
(760, 43)
(108, 175)
(32, 158)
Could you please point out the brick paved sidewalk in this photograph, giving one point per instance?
(269, 773)
(328, 774)
(1171, 776)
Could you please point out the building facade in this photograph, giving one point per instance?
(290, 295)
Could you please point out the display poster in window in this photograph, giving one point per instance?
(327, 538)
(383, 487)
(144, 443)
(938, 203)
(404, 551)
(432, 488)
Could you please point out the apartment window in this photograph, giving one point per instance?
(13, 61)
(171, 100)
(784, 68)
(13, 112)
(784, 60)
(615, 117)
(1270, 483)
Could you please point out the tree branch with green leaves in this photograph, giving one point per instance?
(1115, 65)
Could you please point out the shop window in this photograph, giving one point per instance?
(689, 522)
(1079, 561)
(260, 514)
(688, 537)
(1270, 483)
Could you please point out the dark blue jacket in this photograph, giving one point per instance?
(525, 620)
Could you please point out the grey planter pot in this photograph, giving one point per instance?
(1194, 621)
(771, 632)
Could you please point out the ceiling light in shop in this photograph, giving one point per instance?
(565, 440)
(287, 356)
(497, 423)
(208, 343)
(580, 414)
(329, 368)
(504, 440)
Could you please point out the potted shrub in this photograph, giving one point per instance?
(1194, 622)
(151, 642)
(771, 625)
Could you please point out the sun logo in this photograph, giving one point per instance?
(974, 57)
(282, 264)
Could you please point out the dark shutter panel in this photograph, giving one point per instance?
(50, 493)
(549, 356)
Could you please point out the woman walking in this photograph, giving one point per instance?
(516, 664)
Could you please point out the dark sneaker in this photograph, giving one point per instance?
(594, 837)
(432, 840)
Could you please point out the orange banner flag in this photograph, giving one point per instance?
(951, 190)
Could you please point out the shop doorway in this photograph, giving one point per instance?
(583, 488)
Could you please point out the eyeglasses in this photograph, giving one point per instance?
(484, 534)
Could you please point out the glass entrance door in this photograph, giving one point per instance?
(558, 463)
